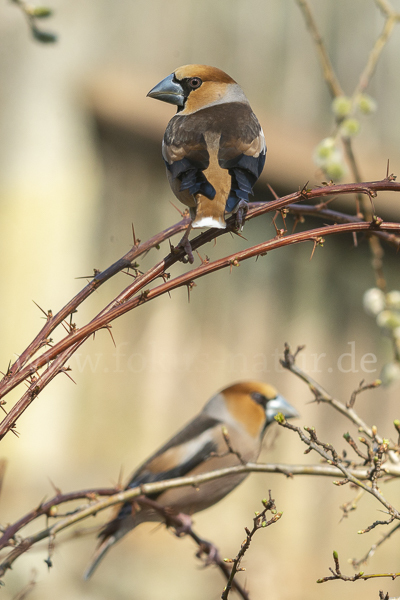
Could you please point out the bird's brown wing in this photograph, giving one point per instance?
(241, 150)
(190, 447)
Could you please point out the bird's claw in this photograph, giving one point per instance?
(241, 211)
(186, 525)
(184, 244)
(210, 551)
(188, 249)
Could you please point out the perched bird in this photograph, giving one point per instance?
(213, 148)
(242, 412)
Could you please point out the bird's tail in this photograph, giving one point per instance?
(209, 213)
(99, 554)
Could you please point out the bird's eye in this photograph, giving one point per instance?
(259, 398)
(195, 82)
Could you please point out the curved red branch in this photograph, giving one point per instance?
(133, 295)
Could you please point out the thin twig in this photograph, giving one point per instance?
(259, 521)
(374, 547)
(321, 395)
(337, 574)
(99, 499)
(331, 456)
(327, 69)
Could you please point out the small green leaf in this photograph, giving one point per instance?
(41, 12)
(43, 36)
(279, 418)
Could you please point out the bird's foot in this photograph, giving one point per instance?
(241, 211)
(186, 525)
(210, 550)
(185, 245)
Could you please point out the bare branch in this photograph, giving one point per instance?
(327, 69)
(374, 547)
(321, 395)
(97, 500)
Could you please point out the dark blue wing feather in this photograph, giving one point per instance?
(191, 177)
(244, 170)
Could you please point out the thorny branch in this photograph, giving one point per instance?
(54, 359)
(26, 368)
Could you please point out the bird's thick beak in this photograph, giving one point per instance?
(280, 405)
(168, 90)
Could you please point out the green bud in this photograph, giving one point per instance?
(349, 127)
(328, 157)
(40, 12)
(374, 301)
(366, 104)
(341, 106)
(335, 170)
(388, 319)
(335, 555)
(325, 148)
(393, 299)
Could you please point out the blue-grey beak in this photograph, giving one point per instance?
(168, 90)
(280, 405)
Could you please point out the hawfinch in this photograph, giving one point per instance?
(214, 147)
(243, 410)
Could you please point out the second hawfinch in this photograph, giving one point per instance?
(214, 147)
(244, 411)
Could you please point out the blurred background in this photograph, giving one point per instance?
(80, 161)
